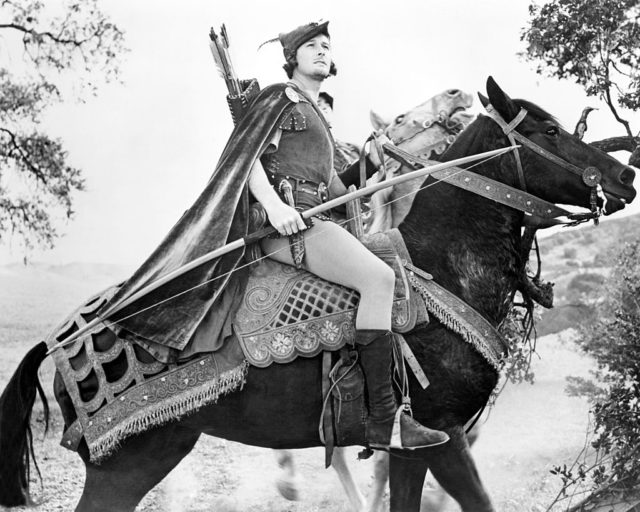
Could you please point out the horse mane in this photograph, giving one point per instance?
(536, 111)
(483, 125)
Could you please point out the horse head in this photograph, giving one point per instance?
(556, 165)
(431, 126)
(426, 131)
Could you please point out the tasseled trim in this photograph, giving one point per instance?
(491, 349)
(171, 409)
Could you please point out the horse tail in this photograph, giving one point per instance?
(16, 438)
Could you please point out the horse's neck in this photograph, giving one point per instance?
(470, 244)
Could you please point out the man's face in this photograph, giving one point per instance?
(314, 58)
(326, 109)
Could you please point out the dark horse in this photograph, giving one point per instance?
(471, 245)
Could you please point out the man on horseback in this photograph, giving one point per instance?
(299, 157)
(281, 154)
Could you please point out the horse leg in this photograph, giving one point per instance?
(120, 482)
(436, 497)
(339, 463)
(286, 482)
(407, 472)
(380, 478)
(455, 470)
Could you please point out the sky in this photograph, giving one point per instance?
(148, 146)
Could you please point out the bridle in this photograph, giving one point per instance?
(500, 192)
(591, 176)
(444, 120)
(452, 127)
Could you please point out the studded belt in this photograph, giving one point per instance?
(301, 193)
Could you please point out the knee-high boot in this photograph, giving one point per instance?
(374, 348)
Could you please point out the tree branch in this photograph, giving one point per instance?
(24, 157)
(612, 144)
(53, 37)
(607, 93)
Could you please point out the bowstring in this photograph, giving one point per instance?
(268, 255)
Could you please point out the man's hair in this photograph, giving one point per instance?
(291, 64)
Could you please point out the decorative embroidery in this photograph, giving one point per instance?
(115, 394)
(287, 312)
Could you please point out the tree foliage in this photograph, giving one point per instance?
(49, 52)
(596, 43)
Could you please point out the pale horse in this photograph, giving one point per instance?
(425, 131)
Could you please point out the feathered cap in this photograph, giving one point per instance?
(291, 41)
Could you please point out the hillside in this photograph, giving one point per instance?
(579, 260)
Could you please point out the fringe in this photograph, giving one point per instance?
(171, 409)
(453, 322)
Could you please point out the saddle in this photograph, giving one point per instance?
(288, 312)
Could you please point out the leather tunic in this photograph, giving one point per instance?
(304, 154)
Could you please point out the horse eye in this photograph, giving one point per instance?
(399, 119)
(553, 131)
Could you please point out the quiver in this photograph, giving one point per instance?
(238, 104)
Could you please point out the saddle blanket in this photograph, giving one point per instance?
(118, 389)
(288, 313)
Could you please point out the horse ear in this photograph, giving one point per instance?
(377, 121)
(483, 99)
(501, 100)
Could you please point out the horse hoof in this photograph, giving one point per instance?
(287, 489)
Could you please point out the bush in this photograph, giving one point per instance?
(588, 283)
(613, 340)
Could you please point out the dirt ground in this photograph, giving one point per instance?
(530, 430)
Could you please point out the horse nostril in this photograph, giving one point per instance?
(627, 176)
(453, 92)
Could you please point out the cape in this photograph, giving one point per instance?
(170, 314)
